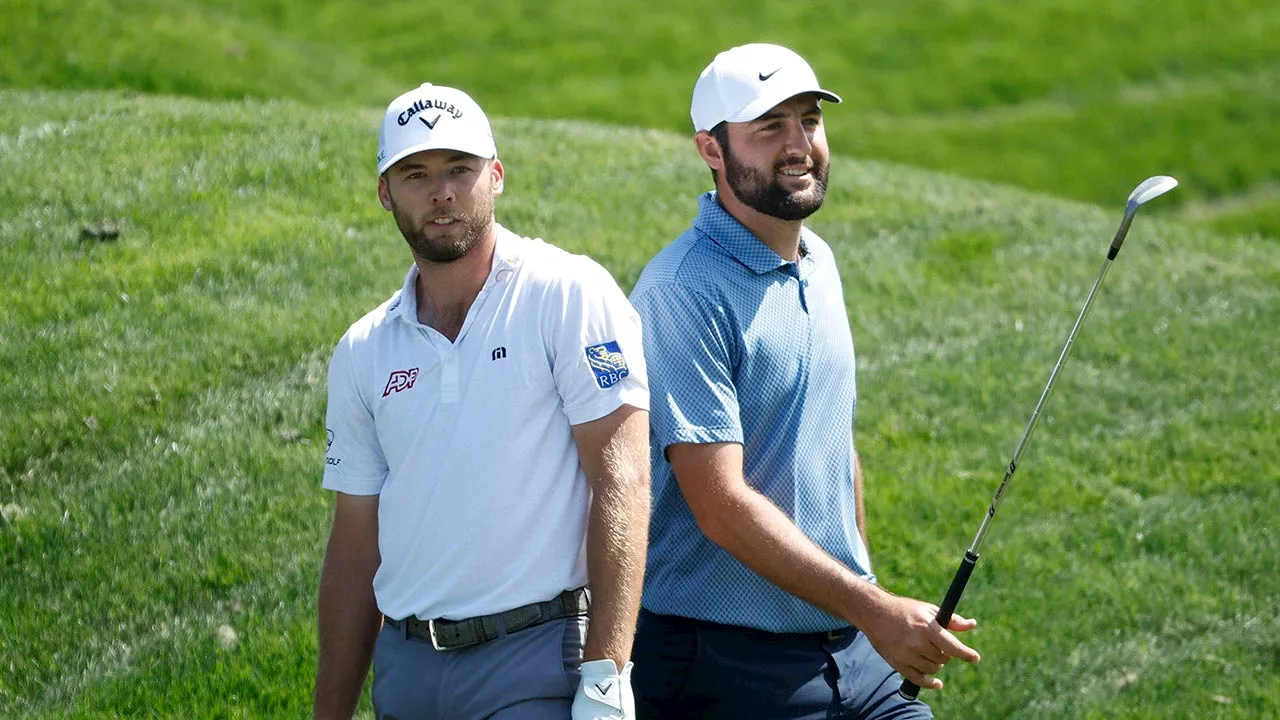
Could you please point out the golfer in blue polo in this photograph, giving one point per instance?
(759, 598)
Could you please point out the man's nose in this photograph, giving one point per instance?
(442, 189)
(797, 139)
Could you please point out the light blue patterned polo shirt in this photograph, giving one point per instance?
(743, 346)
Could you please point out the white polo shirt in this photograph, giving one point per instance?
(483, 504)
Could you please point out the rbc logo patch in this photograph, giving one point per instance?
(607, 363)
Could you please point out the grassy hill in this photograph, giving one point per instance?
(160, 449)
(162, 392)
(1077, 98)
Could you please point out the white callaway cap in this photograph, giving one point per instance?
(433, 117)
(744, 82)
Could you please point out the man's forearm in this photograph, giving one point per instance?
(614, 452)
(349, 621)
(765, 539)
(617, 541)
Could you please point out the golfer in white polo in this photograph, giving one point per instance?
(488, 442)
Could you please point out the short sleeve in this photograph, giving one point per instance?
(354, 463)
(690, 351)
(598, 351)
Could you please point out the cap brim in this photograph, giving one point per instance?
(487, 152)
(764, 103)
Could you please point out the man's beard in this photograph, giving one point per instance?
(765, 193)
(467, 230)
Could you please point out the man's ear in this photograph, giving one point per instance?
(710, 150)
(384, 192)
(498, 176)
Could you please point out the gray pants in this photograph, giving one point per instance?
(530, 674)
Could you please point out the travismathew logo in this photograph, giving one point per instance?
(400, 380)
(421, 105)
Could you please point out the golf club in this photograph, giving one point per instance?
(1149, 189)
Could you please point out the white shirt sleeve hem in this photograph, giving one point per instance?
(635, 397)
(352, 487)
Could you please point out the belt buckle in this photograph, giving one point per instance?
(431, 631)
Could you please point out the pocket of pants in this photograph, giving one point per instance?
(666, 651)
(666, 639)
(383, 653)
(575, 636)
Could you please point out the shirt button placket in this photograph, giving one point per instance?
(449, 392)
(802, 286)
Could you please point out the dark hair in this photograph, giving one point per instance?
(721, 133)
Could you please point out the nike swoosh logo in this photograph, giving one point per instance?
(431, 125)
(764, 76)
(606, 688)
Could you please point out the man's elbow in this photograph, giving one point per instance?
(715, 522)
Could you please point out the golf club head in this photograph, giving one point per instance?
(1150, 189)
(1147, 190)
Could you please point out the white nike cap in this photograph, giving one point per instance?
(433, 117)
(744, 82)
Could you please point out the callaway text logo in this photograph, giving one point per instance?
(400, 380)
(420, 105)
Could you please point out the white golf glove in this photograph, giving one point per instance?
(604, 693)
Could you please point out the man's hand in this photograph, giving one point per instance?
(604, 693)
(907, 636)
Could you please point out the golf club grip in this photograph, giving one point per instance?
(910, 690)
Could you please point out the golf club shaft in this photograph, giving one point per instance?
(910, 690)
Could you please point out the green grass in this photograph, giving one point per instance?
(1077, 98)
(160, 450)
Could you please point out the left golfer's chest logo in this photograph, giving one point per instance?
(400, 380)
(607, 363)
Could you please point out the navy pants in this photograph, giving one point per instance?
(694, 669)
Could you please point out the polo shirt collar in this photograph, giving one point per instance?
(506, 255)
(724, 230)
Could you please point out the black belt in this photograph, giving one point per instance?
(457, 634)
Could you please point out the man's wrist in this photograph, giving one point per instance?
(617, 660)
(863, 602)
